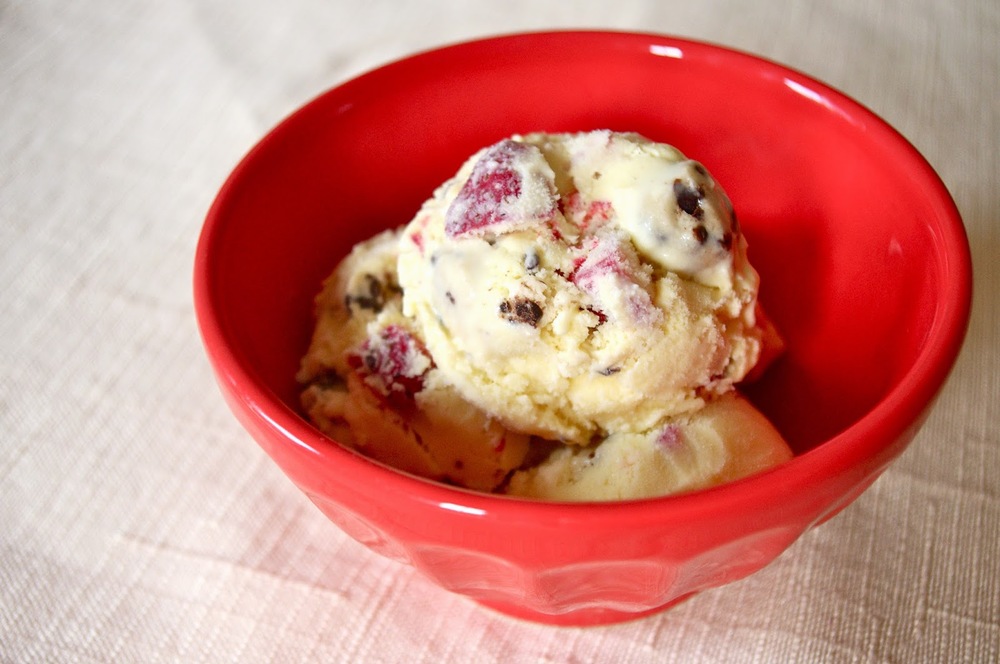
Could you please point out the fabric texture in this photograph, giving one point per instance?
(140, 523)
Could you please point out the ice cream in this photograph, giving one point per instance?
(726, 440)
(565, 318)
(371, 383)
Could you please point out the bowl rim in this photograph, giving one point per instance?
(862, 440)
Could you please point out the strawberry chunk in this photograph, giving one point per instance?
(511, 187)
(393, 363)
(587, 216)
(670, 438)
(602, 258)
(612, 276)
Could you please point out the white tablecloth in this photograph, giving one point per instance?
(138, 522)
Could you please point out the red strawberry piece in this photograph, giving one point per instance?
(393, 363)
(495, 198)
(417, 235)
(601, 258)
(597, 211)
(670, 438)
(586, 214)
(605, 259)
(418, 239)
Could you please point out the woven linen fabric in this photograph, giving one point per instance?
(140, 523)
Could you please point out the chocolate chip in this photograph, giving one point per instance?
(419, 440)
(688, 198)
(700, 233)
(328, 379)
(371, 297)
(521, 310)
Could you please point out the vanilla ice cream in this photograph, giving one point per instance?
(577, 294)
(372, 385)
(604, 287)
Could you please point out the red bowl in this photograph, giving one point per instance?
(862, 254)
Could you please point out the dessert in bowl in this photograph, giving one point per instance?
(566, 319)
(862, 258)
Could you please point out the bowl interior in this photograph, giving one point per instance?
(841, 222)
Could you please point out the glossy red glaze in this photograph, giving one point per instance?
(864, 264)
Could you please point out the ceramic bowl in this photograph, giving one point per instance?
(863, 259)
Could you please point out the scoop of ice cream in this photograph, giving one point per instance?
(573, 285)
(564, 319)
(371, 384)
(724, 441)
(362, 286)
